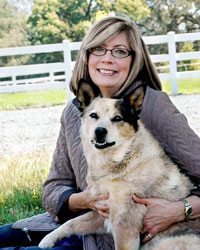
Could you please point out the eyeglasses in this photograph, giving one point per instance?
(116, 52)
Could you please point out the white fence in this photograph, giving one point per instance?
(58, 74)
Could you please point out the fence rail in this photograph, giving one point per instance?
(57, 75)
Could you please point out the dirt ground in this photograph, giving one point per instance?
(30, 129)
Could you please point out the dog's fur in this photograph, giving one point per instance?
(123, 158)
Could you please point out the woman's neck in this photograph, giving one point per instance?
(107, 92)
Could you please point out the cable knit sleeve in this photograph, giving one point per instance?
(171, 129)
(63, 178)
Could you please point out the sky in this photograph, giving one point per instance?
(24, 5)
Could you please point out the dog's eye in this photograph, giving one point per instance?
(94, 115)
(117, 118)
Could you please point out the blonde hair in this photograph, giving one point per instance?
(102, 31)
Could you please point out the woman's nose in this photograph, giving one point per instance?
(107, 57)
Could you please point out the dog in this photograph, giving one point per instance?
(124, 159)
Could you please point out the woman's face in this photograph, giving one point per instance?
(108, 72)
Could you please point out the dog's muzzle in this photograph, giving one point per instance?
(100, 141)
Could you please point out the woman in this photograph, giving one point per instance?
(114, 57)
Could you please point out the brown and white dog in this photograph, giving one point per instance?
(123, 158)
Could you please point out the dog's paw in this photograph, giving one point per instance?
(46, 242)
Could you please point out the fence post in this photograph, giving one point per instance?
(14, 80)
(172, 62)
(68, 68)
(51, 75)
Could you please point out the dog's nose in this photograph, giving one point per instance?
(100, 134)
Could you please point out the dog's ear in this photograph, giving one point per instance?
(86, 93)
(135, 99)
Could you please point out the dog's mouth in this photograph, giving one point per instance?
(102, 145)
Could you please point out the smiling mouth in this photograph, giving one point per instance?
(107, 71)
(102, 145)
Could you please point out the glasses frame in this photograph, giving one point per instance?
(111, 51)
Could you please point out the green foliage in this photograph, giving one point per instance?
(135, 9)
(44, 24)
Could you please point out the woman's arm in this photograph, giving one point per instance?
(85, 200)
(179, 141)
(61, 181)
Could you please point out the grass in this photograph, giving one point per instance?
(32, 99)
(186, 86)
(21, 179)
(56, 97)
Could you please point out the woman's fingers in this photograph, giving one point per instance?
(102, 207)
(139, 200)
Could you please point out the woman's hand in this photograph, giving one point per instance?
(160, 215)
(101, 205)
(85, 200)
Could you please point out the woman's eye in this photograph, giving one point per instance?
(94, 115)
(121, 51)
(117, 118)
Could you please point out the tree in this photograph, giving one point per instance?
(53, 21)
(12, 26)
(171, 15)
(135, 9)
(12, 31)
